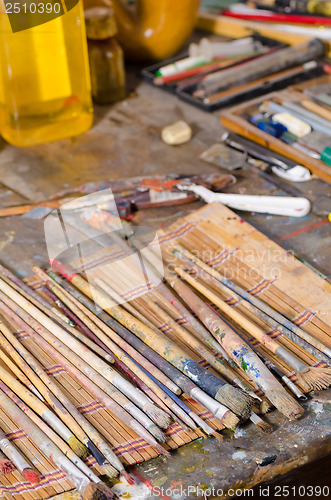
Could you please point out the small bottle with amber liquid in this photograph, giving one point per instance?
(105, 56)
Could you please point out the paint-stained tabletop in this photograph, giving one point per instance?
(124, 142)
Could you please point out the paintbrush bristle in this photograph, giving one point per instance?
(285, 403)
(217, 436)
(264, 427)
(6, 466)
(230, 420)
(109, 470)
(130, 479)
(236, 400)
(97, 491)
(157, 433)
(316, 378)
(265, 406)
(78, 448)
(31, 475)
(162, 450)
(159, 417)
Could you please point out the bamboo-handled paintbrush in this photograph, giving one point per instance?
(45, 413)
(17, 461)
(92, 439)
(191, 341)
(181, 380)
(207, 355)
(92, 313)
(310, 377)
(55, 438)
(95, 366)
(88, 489)
(87, 321)
(7, 307)
(241, 353)
(263, 310)
(217, 363)
(211, 384)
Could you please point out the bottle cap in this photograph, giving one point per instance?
(100, 23)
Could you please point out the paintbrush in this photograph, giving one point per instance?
(45, 413)
(101, 380)
(57, 440)
(98, 364)
(191, 341)
(30, 294)
(89, 490)
(309, 377)
(17, 461)
(78, 375)
(213, 385)
(241, 353)
(263, 310)
(89, 311)
(264, 65)
(181, 380)
(146, 376)
(92, 439)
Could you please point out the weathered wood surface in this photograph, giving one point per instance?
(125, 141)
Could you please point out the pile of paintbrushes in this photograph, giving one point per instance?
(160, 337)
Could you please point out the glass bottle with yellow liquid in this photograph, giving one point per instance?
(45, 90)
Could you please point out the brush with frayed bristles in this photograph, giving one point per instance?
(109, 470)
(31, 475)
(159, 417)
(157, 433)
(230, 420)
(78, 448)
(236, 400)
(284, 403)
(263, 426)
(97, 491)
(316, 378)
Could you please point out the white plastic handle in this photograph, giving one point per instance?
(276, 205)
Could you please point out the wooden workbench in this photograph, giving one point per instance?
(125, 141)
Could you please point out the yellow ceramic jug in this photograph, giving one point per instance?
(152, 29)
